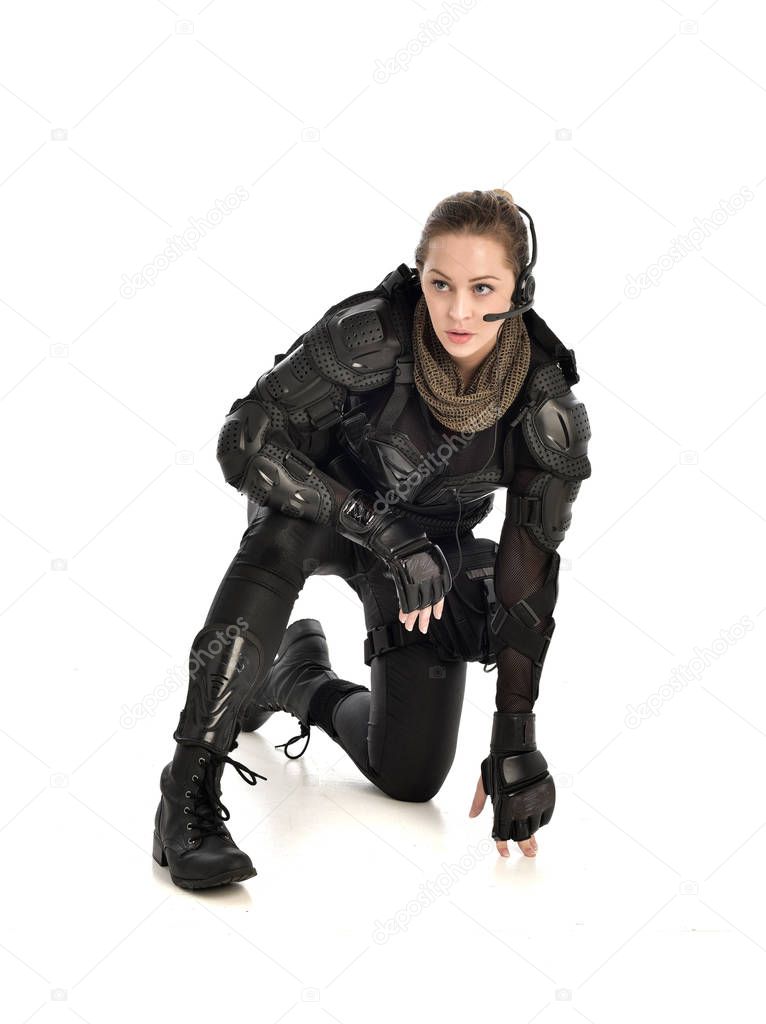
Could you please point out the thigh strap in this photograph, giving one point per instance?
(385, 638)
(511, 627)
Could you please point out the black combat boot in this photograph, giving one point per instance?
(302, 682)
(253, 719)
(190, 837)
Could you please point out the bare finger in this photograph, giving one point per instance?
(479, 799)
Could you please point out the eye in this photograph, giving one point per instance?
(438, 281)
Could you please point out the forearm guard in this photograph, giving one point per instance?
(418, 568)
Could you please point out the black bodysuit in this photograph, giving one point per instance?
(333, 416)
(520, 566)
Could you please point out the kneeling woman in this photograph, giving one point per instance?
(371, 451)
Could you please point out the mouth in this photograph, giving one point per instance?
(459, 336)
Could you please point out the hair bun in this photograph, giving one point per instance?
(501, 192)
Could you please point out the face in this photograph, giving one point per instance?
(464, 277)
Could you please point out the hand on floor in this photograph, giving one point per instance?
(527, 846)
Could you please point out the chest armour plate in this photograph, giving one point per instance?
(396, 466)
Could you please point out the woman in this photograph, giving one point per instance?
(371, 451)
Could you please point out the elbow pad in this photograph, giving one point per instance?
(242, 436)
(556, 430)
(268, 473)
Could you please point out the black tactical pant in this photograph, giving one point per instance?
(402, 733)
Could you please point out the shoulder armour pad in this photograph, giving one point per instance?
(555, 424)
(357, 341)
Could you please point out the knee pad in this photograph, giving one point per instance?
(226, 648)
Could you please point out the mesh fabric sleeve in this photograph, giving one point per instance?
(521, 569)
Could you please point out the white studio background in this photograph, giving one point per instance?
(632, 132)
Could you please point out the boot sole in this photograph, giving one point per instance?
(224, 878)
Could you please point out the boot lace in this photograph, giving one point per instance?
(206, 806)
(305, 731)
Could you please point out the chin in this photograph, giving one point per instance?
(466, 349)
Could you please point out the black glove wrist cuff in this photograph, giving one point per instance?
(512, 733)
(357, 514)
(389, 534)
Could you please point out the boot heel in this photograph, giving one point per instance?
(158, 853)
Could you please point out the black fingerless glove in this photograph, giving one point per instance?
(418, 568)
(515, 776)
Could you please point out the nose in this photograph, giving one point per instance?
(459, 310)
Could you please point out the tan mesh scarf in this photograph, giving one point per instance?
(441, 387)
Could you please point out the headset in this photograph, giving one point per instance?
(521, 300)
